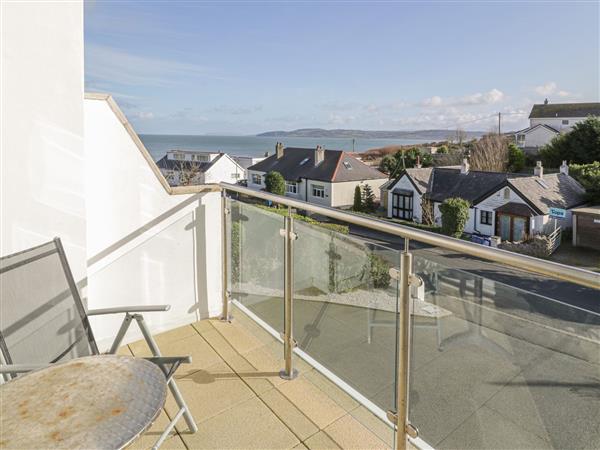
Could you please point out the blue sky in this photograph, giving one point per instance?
(247, 67)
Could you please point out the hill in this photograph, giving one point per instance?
(428, 135)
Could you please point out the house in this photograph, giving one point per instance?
(325, 177)
(247, 161)
(508, 205)
(549, 120)
(185, 167)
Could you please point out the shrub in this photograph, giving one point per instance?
(455, 213)
(357, 204)
(580, 146)
(379, 271)
(368, 199)
(275, 183)
(588, 176)
(516, 158)
(388, 164)
(338, 228)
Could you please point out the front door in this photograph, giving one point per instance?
(512, 228)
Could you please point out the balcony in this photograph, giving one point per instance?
(493, 362)
(234, 390)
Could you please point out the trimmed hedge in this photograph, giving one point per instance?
(344, 229)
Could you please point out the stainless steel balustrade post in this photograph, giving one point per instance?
(406, 279)
(288, 373)
(226, 316)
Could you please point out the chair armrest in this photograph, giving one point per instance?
(20, 368)
(128, 309)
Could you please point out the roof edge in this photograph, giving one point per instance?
(177, 190)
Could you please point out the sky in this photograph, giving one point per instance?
(238, 68)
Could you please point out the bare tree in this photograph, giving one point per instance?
(461, 136)
(427, 216)
(185, 174)
(490, 153)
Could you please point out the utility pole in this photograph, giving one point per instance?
(353, 140)
(499, 118)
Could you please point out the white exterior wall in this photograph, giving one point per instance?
(327, 200)
(343, 193)
(251, 185)
(405, 183)
(538, 137)
(144, 245)
(556, 122)
(225, 169)
(42, 150)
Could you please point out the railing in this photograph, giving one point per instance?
(491, 362)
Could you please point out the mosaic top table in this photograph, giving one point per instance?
(93, 402)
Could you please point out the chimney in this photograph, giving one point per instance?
(319, 155)
(546, 102)
(564, 168)
(538, 170)
(279, 150)
(464, 168)
(418, 164)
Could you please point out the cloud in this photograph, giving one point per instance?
(116, 66)
(337, 119)
(478, 98)
(433, 101)
(546, 88)
(143, 115)
(236, 110)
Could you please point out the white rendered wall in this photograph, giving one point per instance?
(538, 137)
(404, 183)
(224, 170)
(144, 245)
(343, 193)
(556, 122)
(42, 152)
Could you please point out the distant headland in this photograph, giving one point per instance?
(430, 135)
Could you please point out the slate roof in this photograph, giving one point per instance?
(172, 164)
(519, 209)
(549, 110)
(337, 166)
(555, 190)
(420, 177)
(471, 186)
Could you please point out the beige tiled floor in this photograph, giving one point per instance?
(239, 401)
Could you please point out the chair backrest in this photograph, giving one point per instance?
(42, 318)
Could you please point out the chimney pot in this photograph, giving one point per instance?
(538, 170)
(464, 168)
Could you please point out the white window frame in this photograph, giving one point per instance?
(506, 193)
(256, 179)
(291, 187)
(318, 190)
(565, 121)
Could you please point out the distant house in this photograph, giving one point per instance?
(193, 167)
(247, 161)
(549, 120)
(325, 177)
(508, 205)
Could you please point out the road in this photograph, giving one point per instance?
(569, 293)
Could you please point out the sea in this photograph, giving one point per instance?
(158, 145)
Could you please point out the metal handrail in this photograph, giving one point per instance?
(539, 266)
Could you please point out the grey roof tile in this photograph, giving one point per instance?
(542, 111)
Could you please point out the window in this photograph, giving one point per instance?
(565, 122)
(485, 218)
(318, 191)
(402, 206)
(256, 179)
(520, 138)
(347, 165)
(235, 176)
(291, 187)
(506, 194)
(179, 156)
(303, 161)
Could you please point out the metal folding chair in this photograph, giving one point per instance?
(43, 321)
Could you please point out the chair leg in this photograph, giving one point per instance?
(167, 430)
(187, 415)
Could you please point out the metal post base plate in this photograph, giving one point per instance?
(226, 319)
(283, 374)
